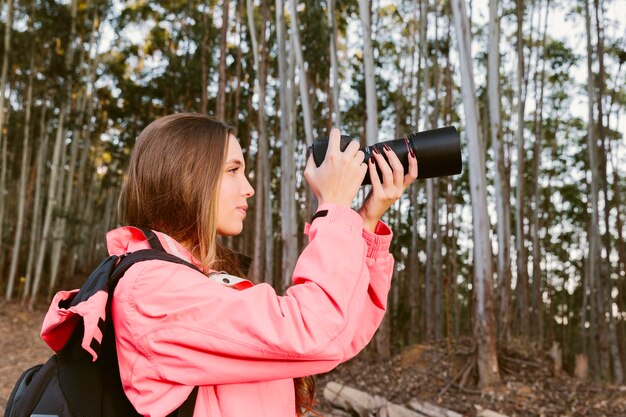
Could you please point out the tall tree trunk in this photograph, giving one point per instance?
(453, 313)
(8, 30)
(307, 114)
(51, 205)
(370, 78)
(429, 277)
(240, 31)
(267, 168)
(262, 159)
(536, 299)
(522, 258)
(221, 87)
(484, 321)
(84, 179)
(204, 71)
(21, 202)
(594, 239)
(289, 221)
(35, 228)
(613, 347)
(334, 65)
(304, 89)
(503, 199)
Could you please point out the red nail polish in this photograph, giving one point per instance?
(387, 147)
(376, 151)
(411, 152)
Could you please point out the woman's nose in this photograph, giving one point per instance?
(249, 191)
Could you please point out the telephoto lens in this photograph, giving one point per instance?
(438, 152)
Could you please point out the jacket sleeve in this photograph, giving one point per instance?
(380, 265)
(196, 332)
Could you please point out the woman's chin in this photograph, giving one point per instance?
(234, 231)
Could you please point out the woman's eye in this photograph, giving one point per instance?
(233, 170)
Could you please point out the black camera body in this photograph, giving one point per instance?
(438, 152)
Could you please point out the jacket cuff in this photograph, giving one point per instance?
(378, 242)
(336, 214)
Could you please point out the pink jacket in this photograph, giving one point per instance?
(241, 343)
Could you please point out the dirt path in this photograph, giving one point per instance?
(20, 345)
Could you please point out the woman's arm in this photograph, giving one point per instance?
(380, 264)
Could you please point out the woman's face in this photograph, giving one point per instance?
(235, 189)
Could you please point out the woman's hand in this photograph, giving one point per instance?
(338, 178)
(394, 182)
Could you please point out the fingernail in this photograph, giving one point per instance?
(411, 152)
(387, 147)
(376, 151)
(371, 161)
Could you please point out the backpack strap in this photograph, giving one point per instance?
(153, 239)
(157, 252)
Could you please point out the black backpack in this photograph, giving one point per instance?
(70, 384)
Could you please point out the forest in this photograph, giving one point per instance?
(526, 245)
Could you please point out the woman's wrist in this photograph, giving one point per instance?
(368, 224)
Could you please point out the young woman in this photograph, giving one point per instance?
(249, 350)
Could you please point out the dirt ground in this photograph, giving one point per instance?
(424, 372)
(20, 345)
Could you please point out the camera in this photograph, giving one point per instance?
(438, 152)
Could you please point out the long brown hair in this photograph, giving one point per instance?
(172, 186)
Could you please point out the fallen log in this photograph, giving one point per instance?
(348, 398)
(366, 405)
(431, 410)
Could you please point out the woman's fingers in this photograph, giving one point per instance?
(377, 187)
(384, 167)
(396, 165)
(412, 174)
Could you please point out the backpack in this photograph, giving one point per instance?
(70, 383)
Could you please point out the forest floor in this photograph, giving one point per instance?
(422, 372)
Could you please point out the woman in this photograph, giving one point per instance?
(248, 350)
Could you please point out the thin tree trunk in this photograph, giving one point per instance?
(8, 30)
(414, 270)
(304, 89)
(451, 246)
(503, 209)
(522, 258)
(221, 88)
(21, 210)
(536, 299)
(594, 240)
(261, 160)
(35, 230)
(439, 287)
(429, 279)
(334, 65)
(484, 321)
(365, 13)
(51, 206)
(264, 153)
(613, 348)
(287, 164)
(238, 70)
(204, 71)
